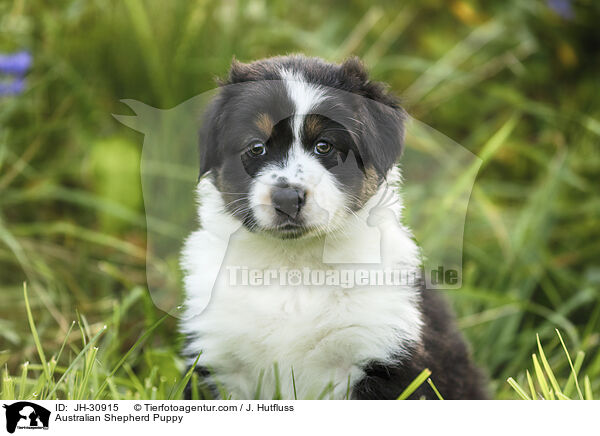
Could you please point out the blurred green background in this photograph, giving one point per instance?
(515, 82)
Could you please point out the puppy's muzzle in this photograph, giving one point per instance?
(288, 201)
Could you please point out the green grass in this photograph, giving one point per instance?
(549, 387)
(86, 373)
(510, 81)
(87, 377)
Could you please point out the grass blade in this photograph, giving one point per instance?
(124, 358)
(23, 381)
(587, 385)
(8, 385)
(90, 360)
(77, 358)
(277, 382)
(520, 391)
(328, 389)
(178, 391)
(414, 385)
(261, 375)
(437, 393)
(531, 386)
(547, 367)
(539, 373)
(570, 364)
(294, 384)
(34, 333)
(568, 390)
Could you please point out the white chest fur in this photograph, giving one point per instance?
(324, 334)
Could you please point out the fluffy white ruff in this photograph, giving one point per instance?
(326, 335)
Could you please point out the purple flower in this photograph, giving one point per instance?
(17, 63)
(564, 8)
(14, 87)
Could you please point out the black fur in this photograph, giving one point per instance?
(370, 124)
(442, 350)
(359, 117)
(370, 111)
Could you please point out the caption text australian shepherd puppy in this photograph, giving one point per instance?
(302, 282)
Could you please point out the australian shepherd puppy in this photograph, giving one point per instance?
(297, 194)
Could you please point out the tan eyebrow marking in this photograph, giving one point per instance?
(265, 123)
(312, 125)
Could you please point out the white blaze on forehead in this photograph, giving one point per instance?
(324, 202)
(304, 95)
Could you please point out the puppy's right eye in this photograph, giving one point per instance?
(257, 149)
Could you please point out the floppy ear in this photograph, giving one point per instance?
(383, 138)
(383, 118)
(209, 150)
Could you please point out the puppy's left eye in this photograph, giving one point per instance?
(323, 148)
(257, 149)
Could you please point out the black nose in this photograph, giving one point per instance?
(287, 201)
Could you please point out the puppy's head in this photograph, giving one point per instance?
(295, 145)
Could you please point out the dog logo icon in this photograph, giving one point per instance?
(26, 415)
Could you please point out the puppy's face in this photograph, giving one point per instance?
(296, 145)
